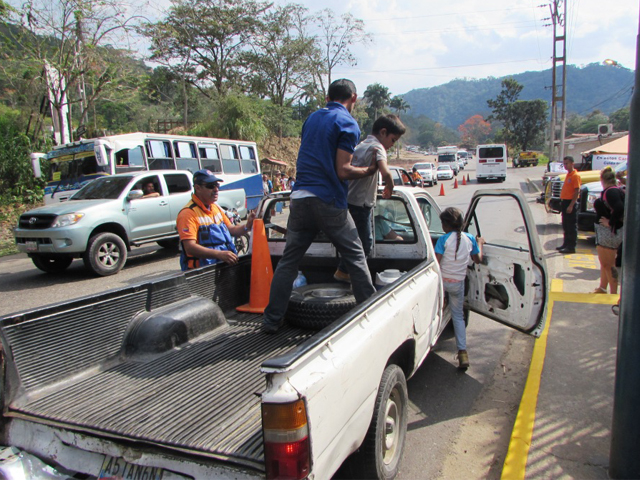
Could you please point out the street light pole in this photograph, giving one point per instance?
(624, 460)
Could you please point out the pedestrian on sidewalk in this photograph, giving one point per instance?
(453, 251)
(568, 198)
(609, 229)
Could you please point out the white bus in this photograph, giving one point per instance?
(491, 162)
(236, 162)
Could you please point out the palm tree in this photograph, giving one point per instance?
(399, 105)
(378, 97)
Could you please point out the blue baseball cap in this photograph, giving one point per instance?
(205, 176)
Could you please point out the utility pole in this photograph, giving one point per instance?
(624, 461)
(558, 91)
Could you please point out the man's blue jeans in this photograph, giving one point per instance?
(362, 218)
(456, 304)
(308, 216)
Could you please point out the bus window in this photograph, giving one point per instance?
(128, 160)
(186, 158)
(230, 160)
(209, 158)
(248, 156)
(159, 153)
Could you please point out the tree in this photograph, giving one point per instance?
(202, 40)
(334, 41)
(280, 54)
(620, 119)
(377, 97)
(73, 45)
(502, 106)
(399, 104)
(530, 120)
(474, 130)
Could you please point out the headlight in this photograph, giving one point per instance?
(590, 201)
(66, 220)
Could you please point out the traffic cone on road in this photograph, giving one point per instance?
(468, 178)
(455, 183)
(261, 271)
(464, 181)
(441, 190)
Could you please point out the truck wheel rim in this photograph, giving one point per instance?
(329, 293)
(109, 254)
(393, 414)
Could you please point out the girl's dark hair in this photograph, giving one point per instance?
(453, 219)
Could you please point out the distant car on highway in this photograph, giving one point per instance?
(427, 171)
(444, 172)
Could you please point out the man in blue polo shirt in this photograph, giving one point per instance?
(319, 200)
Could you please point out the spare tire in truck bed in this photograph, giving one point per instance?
(318, 305)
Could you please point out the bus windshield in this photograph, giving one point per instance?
(446, 157)
(71, 168)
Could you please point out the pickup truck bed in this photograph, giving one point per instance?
(191, 398)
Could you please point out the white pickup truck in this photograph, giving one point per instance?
(165, 379)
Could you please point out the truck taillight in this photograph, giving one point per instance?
(482, 160)
(499, 160)
(287, 453)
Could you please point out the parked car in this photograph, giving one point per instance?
(444, 172)
(427, 171)
(589, 192)
(103, 220)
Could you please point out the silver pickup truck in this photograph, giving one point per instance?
(101, 222)
(167, 379)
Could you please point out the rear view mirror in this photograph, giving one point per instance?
(135, 194)
(102, 158)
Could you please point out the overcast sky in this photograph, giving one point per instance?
(420, 43)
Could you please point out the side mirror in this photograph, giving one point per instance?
(102, 158)
(35, 164)
(135, 194)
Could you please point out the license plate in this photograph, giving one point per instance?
(32, 246)
(117, 469)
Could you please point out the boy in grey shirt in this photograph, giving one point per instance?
(361, 198)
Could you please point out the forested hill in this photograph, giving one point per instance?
(592, 87)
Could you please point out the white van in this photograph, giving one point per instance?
(492, 162)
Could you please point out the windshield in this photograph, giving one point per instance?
(108, 188)
(447, 157)
(444, 167)
(491, 152)
(422, 166)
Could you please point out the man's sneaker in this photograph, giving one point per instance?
(271, 328)
(342, 277)
(463, 359)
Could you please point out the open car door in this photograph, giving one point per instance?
(511, 284)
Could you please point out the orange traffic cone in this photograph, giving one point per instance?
(455, 183)
(464, 181)
(442, 189)
(261, 271)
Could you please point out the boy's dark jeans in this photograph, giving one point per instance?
(569, 224)
(307, 217)
(362, 218)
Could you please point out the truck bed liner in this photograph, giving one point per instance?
(146, 400)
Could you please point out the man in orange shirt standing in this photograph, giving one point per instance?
(568, 198)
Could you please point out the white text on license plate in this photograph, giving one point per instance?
(117, 469)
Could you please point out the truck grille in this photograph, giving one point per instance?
(36, 222)
(556, 188)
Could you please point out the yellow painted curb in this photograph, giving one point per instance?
(515, 462)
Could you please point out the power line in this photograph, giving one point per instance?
(617, 94)
(467, 12)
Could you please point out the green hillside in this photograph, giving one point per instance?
(591, 87)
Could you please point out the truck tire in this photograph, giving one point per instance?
(51, 264)
(242, 244)
(106, 254)
(318, 305)
(380, 454)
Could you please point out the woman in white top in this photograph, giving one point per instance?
(453, 251)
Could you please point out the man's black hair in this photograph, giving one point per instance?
(341, 90)
(391, 122)
(569, 158)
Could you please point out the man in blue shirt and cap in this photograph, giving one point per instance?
(319, 200)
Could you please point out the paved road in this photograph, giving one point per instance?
(459, 424)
